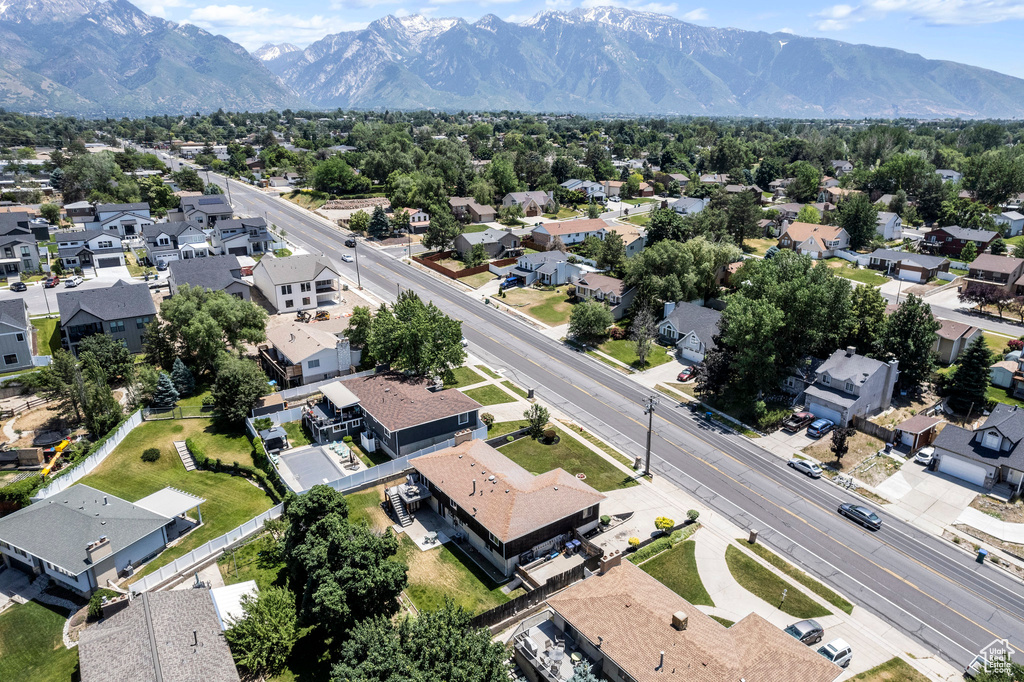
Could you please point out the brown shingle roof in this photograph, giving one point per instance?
(918, 423)
(516, 502)
(992, 263)
(954, 330)
(609, 285)
(800, 232)
(574, 226)
(632, 614)
(398, 402)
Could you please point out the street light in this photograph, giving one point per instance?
(650, 403)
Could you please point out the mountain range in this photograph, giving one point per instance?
(109, 57)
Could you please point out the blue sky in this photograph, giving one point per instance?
(979, 32)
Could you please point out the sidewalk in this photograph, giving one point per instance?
(1004, 530)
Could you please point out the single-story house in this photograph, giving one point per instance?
(834, 195)
(816, 241)
(910, 267)
(608, 289)
(633, 238)
(991, 455)
(917, 431)
(507, 514)
(497, 243)
(849, 385)
(214, 273)
(690, 328)
(948, 175)
(569, 231)
(120, 311)
(689, 205)
(954, 338)
(1001, 373)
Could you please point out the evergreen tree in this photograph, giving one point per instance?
(101, 410)
(971, 381)
(182, 377)
(166, 395)
(859, 217)
(380, 226)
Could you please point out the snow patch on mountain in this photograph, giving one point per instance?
(271, 51)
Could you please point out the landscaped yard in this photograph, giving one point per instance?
(563, 212)
(230, 500)
(639, 200)
(624, 351)
(538, 457)
(550, 306)
(488, 371)
(676, 569)
(801, 577)
(501, 428)
(762, 583)
(255, 560)
(861, 446)
(31, 647)
(476, 227)
(479, 279)
(134, 269)
(640, 220)
(297, 434)
(1000, 395)
(759, 246)
(490, 395)
(996, 342)
(515, 389)
(893, 670)
(850, 271)
(48, 334)
(463, 376)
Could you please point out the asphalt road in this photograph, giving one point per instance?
(928, 588)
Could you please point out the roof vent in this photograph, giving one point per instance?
(556, 487)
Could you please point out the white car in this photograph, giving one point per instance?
(837, 651)
(347, 257)
(806, 466)
(925, 455)
(73, 281)
(465, 342)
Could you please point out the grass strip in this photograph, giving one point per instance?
(764, 584)
(796, 574)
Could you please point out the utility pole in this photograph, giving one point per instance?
(359, 282)
(649, 404)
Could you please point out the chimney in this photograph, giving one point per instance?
(680, 620)
(610, 561)
(463, 436)
(851, 351)
(95, 551)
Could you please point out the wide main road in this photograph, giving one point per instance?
(929, 589)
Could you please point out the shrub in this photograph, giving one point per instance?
(617, 333)
(693, 515)
(509, 438)
(550, 435)
(656, 547)
(346, 439)
(663, 523)
(605, 520)
(1015, 344)
(96, 602)
(208, 401)
(634, 542)
(150, 454)
(487, 418)
(263, 423)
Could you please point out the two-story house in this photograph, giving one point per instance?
(299, 354)
(951, 240)
(80, 212)
(889, 226)
(18, 253)
(841, 167)
(548, 267)
(497, 243)
(816, 241)
(690, 328)
(468, 210)
(204, 210)
(953, 339)
(910, 267)
(991, 455)
(594, 191)
(213, 273)
(89, 248)
(1012, 223)
(948, 175)
(999, 271)
(633, 238)
(167, 242)
(611, 290)
(242, 237)
(849, 385)
(120, 311)
(419, 220)
(298, 282)
(16, 335)
(532, 203)
(569, 231)
(126, 220)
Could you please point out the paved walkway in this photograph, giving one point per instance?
(1004, 530)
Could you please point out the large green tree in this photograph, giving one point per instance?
(743, 213)
(442, 231)
(589, 321)
(416, 337)
(806, 179)
(971, 380)
(867, 315)
(678, 271)
(262, 639)
(114, 357)
(238, 386)
(753, 336)
(334, 176)
(859, 217)
(909, 335)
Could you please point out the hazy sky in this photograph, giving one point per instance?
(979, 32)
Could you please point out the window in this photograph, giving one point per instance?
(464, 418)
(826, 379)
(387, 432)
(105, 245)
(494, 540)
(992, 440)
(11, 359)
(451, 503)
(25, 251)
(313, 364)
(163, 241)
(286, 289)
(588, 512)
(305, 300)
(289, 303)
(117, 326)
(849, 387)
(141, 322)
(306, 286)
(20, 336)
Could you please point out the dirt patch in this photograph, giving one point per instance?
(861, 446)
(1008, 547)
(1004, 511)
(41, 418)
(905, 408)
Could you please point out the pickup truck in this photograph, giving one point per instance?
(797, 421)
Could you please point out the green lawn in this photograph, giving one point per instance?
(515, 389)
(196, 399)
(447, 572)
(567, 453)
(724, 621)
(893, 670)
(600, 444)
(230, 500)
(479, 227)
(759, 246)
(31, 647)
(490, 395)
(846, 269)
(134, 269)
(297, 434)
(463, 376)
(501, 428)
(639, 200)
(551, 307)
(488, 371)
(361, 506)
(1000, 395)
(801, 577)
(640, 220)
(624, 351)
(47, 334)
(370, 459)
(562, 213)
(762, 583)
(255, 560)
(479, 279)
(996, 342)
(676, 569)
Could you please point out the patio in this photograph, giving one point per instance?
(302, 468)
(550, 652)
(429, 531)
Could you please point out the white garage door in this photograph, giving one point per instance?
(691, 354)
(822, 412)
(972, 473)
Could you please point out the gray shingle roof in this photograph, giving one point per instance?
(853, 368)
(300, 268)
(58, 528)
(488, 236)
(927, 262)
(830, 395)
(689, 317)
(213, 273)
(152, 639)
(214, 203)
(1008, 420)
(962, 442)
(14, 313)
(122, 208)
(170, 229)
(84, 235)
(958, 232)
(118, 301)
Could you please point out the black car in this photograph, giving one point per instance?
(350, 243)
(18, 286)
(807, 631)
(861, 515)
(161, 266)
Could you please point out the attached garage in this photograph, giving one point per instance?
(238, 251)
(108, 262)
(822, 412)
(958, 468)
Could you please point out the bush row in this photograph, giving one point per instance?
(663, 543)
(268, 482)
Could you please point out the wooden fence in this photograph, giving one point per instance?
(872, 429)
(18, 409)
(500, 614)
(430, 262)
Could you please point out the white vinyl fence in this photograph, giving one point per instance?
(92, 461)
(858, 258)
(212, 548)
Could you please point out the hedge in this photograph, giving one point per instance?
(271, 484)
(663, 543)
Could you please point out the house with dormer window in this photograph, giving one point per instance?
(242, 237)
(89, 248)
(166, 242)
(849, 385)
(125, 220)
(816, 241)
(990, 456)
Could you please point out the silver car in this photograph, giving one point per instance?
(807, 631)
(806, 466)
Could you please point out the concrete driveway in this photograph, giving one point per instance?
(929, 500)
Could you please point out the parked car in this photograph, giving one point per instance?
(161, 265)
(861, 515)
(685, 375)
(350, 243)
(837, 651)
(73, 281)
(465, 342)
(797, 421)
(807, 631)
(51, 281)
(347, 257)
(819, 428)
(925, 455)
(976, 667)
(806, 466)
(19, 286)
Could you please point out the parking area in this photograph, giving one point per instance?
(927, 499)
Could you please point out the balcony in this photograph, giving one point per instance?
(288, 375)
(549, 652)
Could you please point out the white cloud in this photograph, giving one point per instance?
(934, 12)
(839, 17)
(786, 29)
(699, 14)
(478, 2)
(252, 26)
(360, 4)
(557, 4)
(158, 8)
(518, 18)
(657, 7)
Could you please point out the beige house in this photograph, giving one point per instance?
(816, 241)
